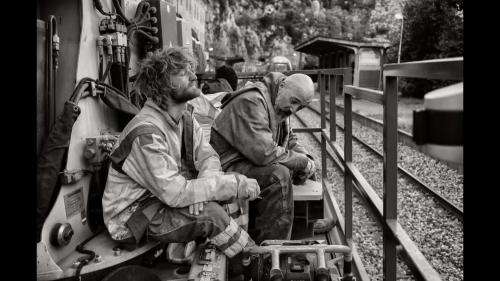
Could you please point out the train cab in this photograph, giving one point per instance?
(86, 65)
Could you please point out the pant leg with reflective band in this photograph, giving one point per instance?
(231, 240)
(238, 210)
(178, 225)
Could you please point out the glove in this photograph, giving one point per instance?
(300, 177)
(247, 188)
(310, 168)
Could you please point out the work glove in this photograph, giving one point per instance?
(300, 177)
(247, 188)
(310, 168)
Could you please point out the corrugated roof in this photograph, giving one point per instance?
(322, 45)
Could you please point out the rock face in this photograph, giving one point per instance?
(263, 29)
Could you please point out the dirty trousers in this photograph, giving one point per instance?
(178, 225)
(272, 216)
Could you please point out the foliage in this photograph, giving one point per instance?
(260, 29)
(432, 29)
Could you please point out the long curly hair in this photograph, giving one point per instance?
(153, 78)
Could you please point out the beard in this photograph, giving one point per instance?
(283, 114)
(186, 94)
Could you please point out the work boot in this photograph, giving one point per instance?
(239, 265)
(236, 269)
(321, 226)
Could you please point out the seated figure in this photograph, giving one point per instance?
(165, 181)
(252, 137)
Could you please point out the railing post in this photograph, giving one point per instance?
(323, 124)
(348, 159)
(333, 88)
(390, 174)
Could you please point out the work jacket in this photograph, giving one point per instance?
(247, 128)
(151, 161)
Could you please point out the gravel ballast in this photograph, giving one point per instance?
(437, 233)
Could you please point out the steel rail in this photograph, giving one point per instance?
(378, 125)
(404, 137)
(411, 255)
(458, 212)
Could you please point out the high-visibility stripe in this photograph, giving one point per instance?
(223, 237)
(242, 220)
(231, 240)
(232, 207)
(121, 153)
(237, 246)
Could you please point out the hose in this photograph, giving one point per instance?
(52, 65)
(98, 6)
(91, 254)
(119, 12)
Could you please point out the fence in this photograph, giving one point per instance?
(339, 80)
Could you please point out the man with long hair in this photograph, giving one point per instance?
(165, 181)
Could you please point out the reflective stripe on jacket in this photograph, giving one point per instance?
(154, 164)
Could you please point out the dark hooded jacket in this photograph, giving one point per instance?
(247, 128)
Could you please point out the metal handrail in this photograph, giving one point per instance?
(444, 69)
(340, 81)
(439, 69)
(365, 93)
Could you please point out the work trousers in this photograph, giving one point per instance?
(272, 216)
(178, 225)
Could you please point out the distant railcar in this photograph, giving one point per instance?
(365, 58)
(279, 64)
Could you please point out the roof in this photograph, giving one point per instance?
(321, 45)
(234, 59)
(280, 59)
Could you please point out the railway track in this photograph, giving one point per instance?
(377, 125)
(455, 210)
(404, 137)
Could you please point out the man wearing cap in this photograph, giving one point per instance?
(252, 137)
(225, 80)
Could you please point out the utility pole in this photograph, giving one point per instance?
(400, 16)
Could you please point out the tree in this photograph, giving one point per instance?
(432, 29)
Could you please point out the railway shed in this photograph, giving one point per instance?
(365, 58)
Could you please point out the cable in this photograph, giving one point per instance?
(79, 89)
(106, 73)
(148, 36)
(91, 254)
(119, 12)
(53, 64)
(98, 6)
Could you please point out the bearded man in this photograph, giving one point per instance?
(165, 181)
